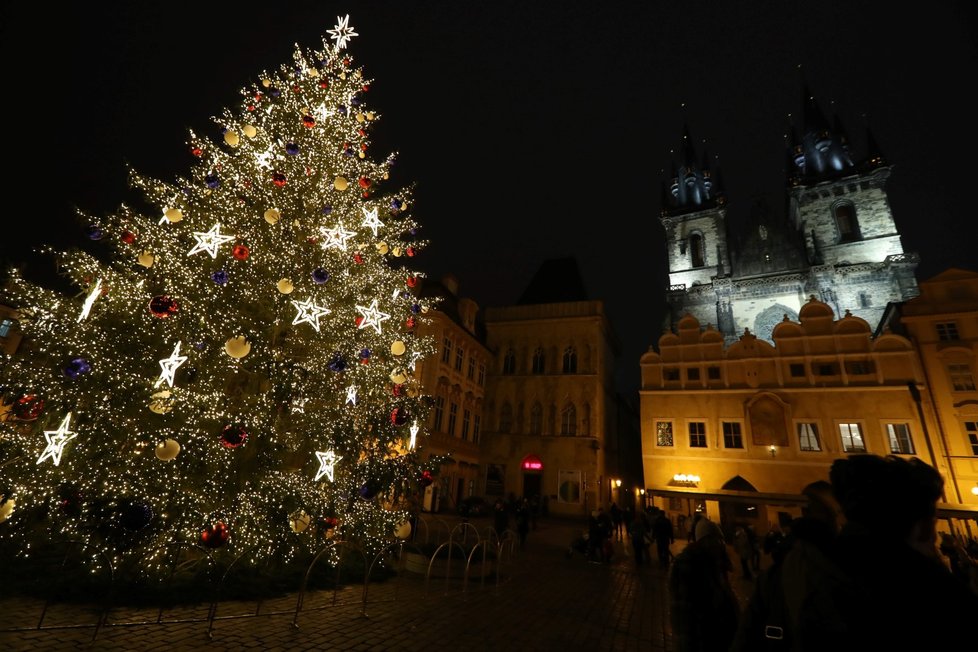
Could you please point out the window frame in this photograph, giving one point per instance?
(739, 435)
(892, 436)
(698, 435)
(672, 432)
(815, 427)
(844, 429)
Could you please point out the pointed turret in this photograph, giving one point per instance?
(692, 186)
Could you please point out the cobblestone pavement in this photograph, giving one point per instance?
(549, 600)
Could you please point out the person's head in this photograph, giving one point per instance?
(889, 495)
(707, 528)
(822, 504)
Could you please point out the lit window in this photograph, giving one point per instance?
(899, 436)
(732, 437)
(852, 438)
(663, 433)
(808, 437)
(972, 429)
(697, 434)
(961, 378)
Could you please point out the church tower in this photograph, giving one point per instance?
(836, 240)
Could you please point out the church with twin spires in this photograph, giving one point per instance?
(836, 241)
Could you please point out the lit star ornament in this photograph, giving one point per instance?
(372, 316)
(209, 241)
(370, 220)
(336, 238)
(90, 300)
(309, 313)
(327, 461)
(414, 435)
(351, 394)
(170, 366)
(56, 442)
(342, 32)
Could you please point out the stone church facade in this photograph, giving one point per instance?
(837, 240)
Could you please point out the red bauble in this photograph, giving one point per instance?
(358, 321)
(410, 251)
(128, 237)
(309, 121)
(251, 107)
(411, 281)
(196, 151)
(215, 535)
(28, 407)
(241, 252)
(409, 322)
(426, 479)
(234, 435)
(163, 306)
(399, 416)
(278, 179)
(365, 87)
(323, 83)
(357, 258)
(364, 182)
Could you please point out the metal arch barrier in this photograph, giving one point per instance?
(305, 580)
(212, 610)
(398, 566)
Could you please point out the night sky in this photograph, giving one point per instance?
(532, 130)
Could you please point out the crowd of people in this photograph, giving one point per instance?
(860, 567)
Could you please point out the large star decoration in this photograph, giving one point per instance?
(342, 32)
(351, 394)
(170, 366)
(209, 241)
(322, 112)
(372, 316)
(414, 435)
(370, 220)
(327, 461)
(90, 301)
(309, 313)
(56, 441)
(336, 238)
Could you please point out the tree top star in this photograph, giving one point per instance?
(342, 32)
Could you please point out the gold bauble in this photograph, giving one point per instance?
(232, 138)
(340, 183)
(398, 377)
(174, 215)
(398, 348)
(167, 450)
(285, 286)
(299, 521)
(403, 530)
(266, 82)
(161, 403)
(360, 117)
(370, 115)
(250, 131)
(382, 248)
(146, 259)
(313, 72)
(396, 251)
(273, 215)
(362, 154)
(7, 508)
(237, 347)
(342, 75)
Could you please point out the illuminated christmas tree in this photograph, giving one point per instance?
(235, 371)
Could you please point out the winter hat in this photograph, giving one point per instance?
(706, 527)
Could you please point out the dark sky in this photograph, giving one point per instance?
(532, 130)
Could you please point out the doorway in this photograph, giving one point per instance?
(532, 482)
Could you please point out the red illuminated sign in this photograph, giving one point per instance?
(532, 463)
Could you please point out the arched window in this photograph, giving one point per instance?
(570, 360)
(539, 360)
(696, 250)
(509, 362)
(846, 222)
(568, 421)
(536, 419)
(506, 418)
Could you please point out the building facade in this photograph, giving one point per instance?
(837, 239)
(455, 380)
(550, 431)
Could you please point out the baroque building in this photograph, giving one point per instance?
(836, 240)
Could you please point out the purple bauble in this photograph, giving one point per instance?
(320, 276)
(291, 149)
(77, 367)
(220, 277)
(337, 363)
(327, 209)
(212, 181)
(367, 491)
(94, 232)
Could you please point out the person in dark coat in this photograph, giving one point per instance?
(500, 517)
(662, 532)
